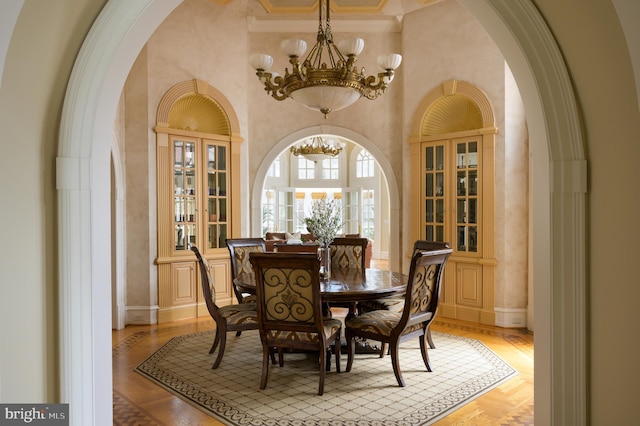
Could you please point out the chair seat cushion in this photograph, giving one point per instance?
(243, 313)
(330, 327)
(379, 322)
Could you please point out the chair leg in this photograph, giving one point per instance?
(265, 365)
(223, 344)
(425, 354)
(429, 339)
(383, 347)
(323, 360)
(351, 349)
(216, 340)
(395, 362)
(336, 351)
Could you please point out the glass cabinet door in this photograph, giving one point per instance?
(217, 198)
(467, 196)
(433, 193)
(450, 197)
(184, 194)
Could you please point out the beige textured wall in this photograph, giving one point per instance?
(591, 41)
(140, 192)
(43, 49)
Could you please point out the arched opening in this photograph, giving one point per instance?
(394, 260)
(83, 184)
(293, 182)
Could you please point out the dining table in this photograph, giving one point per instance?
(349, 286)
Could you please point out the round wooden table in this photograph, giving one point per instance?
(350, 286)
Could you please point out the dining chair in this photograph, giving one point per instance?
(348, 252)
(397, 303)
(420, 305)
(290, 309)
(240, 317)
(241, 269)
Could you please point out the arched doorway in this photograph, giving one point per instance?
(287, 193)
(392, 187)
(83, 187)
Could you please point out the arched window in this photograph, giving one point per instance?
(274, 169)
(364, 165)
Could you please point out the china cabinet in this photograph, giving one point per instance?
(197, 169)
(194, 202)
(454, 178)
(452, 195)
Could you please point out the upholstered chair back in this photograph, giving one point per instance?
(348, 252)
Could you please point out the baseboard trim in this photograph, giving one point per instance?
(510, 317)
(141, 315)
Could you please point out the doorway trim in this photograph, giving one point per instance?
(395, 262)
(82, 168)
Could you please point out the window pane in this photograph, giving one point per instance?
(473, 209)
(473, 239)
(439, 184)
(429, 233)
(178, 182)
(189, 154)
(429, 184)
(462, 213)
(178, 155)
(462, 238)
(222, 158)
(222, 217)
(213, 236)
(461, 153)
(473, 154)
(179, 237)
(429, 158)
(473, 182)
(440, 211)
(440, 157)
(190, 183)
(429, 211)
(462, 188)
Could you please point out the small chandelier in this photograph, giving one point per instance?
(319, 85)
(316, 150)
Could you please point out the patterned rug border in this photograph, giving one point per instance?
(229, 415)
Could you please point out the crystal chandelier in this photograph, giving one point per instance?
(316, 149)
(320, 85)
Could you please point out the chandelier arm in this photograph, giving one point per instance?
(275, 88)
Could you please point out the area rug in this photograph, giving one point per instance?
(368, 395)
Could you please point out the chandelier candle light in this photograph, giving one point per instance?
(319, 85)
(317, 149)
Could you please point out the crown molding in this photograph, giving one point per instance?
(369, 24)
